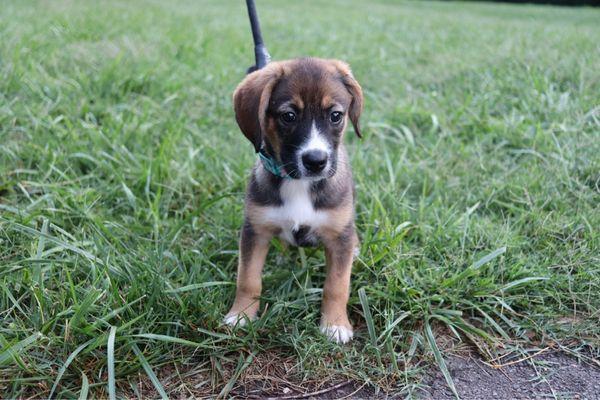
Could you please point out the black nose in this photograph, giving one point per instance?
(314, 160)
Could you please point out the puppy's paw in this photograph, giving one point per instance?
(235, 319)
(337, 333)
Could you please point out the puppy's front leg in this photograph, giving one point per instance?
(254, 246)
(339, 253)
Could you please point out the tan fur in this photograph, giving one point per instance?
(340, 217)
(255, 214)
(249, 282)
(298, 101)
(271, 133)
(336, 289)
(339, 257)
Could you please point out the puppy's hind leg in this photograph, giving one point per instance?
(339, 252)
(253, 252)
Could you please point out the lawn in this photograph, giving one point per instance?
(122, 175)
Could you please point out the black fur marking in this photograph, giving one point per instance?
(291, 141)
(247, 241)
(347, 233)
(304, 237)
(265, 193)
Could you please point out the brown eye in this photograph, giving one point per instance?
(335, 117)
(288, 117)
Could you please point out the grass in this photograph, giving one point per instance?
(122, 175)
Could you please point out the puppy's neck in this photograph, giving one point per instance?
(267, 189)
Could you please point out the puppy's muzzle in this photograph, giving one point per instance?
(314, 161)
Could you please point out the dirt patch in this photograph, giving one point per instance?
(548, 375)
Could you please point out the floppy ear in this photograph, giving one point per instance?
(251, 99)
(355, 91)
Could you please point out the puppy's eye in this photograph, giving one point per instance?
(288, 117)
(336, 117)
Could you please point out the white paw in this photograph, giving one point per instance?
(337, 333)
(235, 319)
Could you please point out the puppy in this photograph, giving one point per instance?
(295, 112)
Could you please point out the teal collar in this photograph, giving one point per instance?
(272, 165)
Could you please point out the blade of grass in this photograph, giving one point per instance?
(40, 248)
(104, 319)
(486, 259)
(129, 195)
(84, 307)
(110, 349)
(15, 357)
(195, 286)
(149, 371)
(242, 365)
(520, 282)
(171, 339)
(492, 322)
(10, 352)
(64, 367)
(362, 295)
(439, 358)
(391, 327)
(85, 387)
(474, 267)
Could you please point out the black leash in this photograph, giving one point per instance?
(260, 51)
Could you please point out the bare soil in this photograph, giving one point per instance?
(548, 375)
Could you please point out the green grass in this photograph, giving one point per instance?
(122, 174)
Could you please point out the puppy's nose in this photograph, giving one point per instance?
(314, 160)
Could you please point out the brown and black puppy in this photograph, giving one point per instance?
(301, 189)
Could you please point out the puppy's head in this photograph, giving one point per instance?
(298, 109)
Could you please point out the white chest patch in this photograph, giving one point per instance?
(297, 209)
